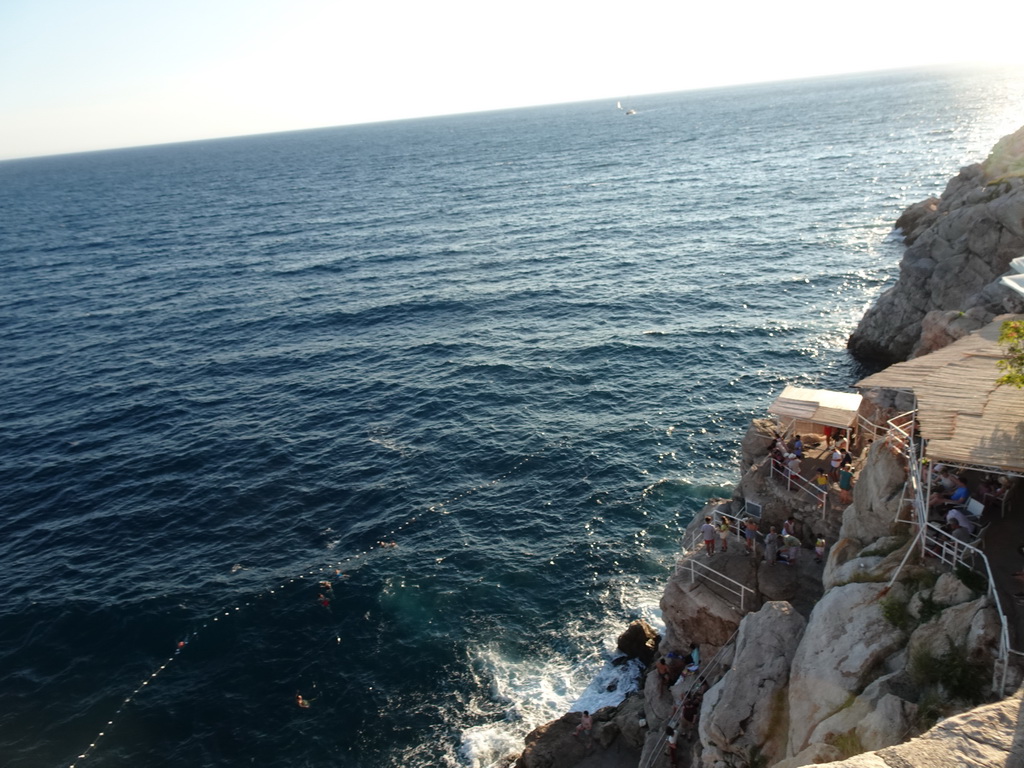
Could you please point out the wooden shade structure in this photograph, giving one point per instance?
(966, 419)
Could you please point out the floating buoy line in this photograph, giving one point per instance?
(386, 541)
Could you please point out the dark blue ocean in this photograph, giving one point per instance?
(476, 372)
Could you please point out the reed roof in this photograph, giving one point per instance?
(963, 415)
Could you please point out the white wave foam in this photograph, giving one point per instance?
(535, 690)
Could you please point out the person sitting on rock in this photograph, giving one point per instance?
(676, 662)
(692, 661)
(586, 724)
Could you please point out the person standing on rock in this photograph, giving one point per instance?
(670, 749)
(792, 469)
(846, 484)
(723, 533)
(750, 535)
(771, 546)
(662, 668)
(708, 531)
(835, 462)
(792, 544)
(821, 485)
(690, 710)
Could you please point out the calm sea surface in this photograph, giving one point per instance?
(476, 372)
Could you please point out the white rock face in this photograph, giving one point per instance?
(876, 496)
(974, 626)
(877, 718)
(844, 647)
(987, 737)
(949, 590)
(744, 711)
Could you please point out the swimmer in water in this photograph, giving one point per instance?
(304, 703)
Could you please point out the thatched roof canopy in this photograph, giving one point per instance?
(963, 415)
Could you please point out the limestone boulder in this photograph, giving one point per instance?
(845, 647)
(616, 730)
(880, 717)
(743, 712)
(957, 250)
(757, 442)
(887, 723)
(875, 563)
(696, 611)
(940, 328)
(949, 590)
(985, 737)
(973, 627)
(876, 496)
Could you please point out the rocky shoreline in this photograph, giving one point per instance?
(857, 658)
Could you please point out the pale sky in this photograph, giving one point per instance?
(93, 74)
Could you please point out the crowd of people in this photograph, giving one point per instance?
(787, 461)
(779, 547)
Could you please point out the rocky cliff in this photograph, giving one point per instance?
(821, 662)
(958, 246)
(874, 658)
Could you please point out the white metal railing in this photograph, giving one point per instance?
(797, 482)
(707, 573)
(938, 543)
(955, 553)
(696, 541)
(865, 426)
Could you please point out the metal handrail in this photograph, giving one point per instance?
(954, 552)
(949, 550)
(720, 579)
(698, 679)
(806, 486)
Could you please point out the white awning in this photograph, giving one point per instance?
(818, 406)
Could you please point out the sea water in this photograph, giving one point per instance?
(476, 372)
